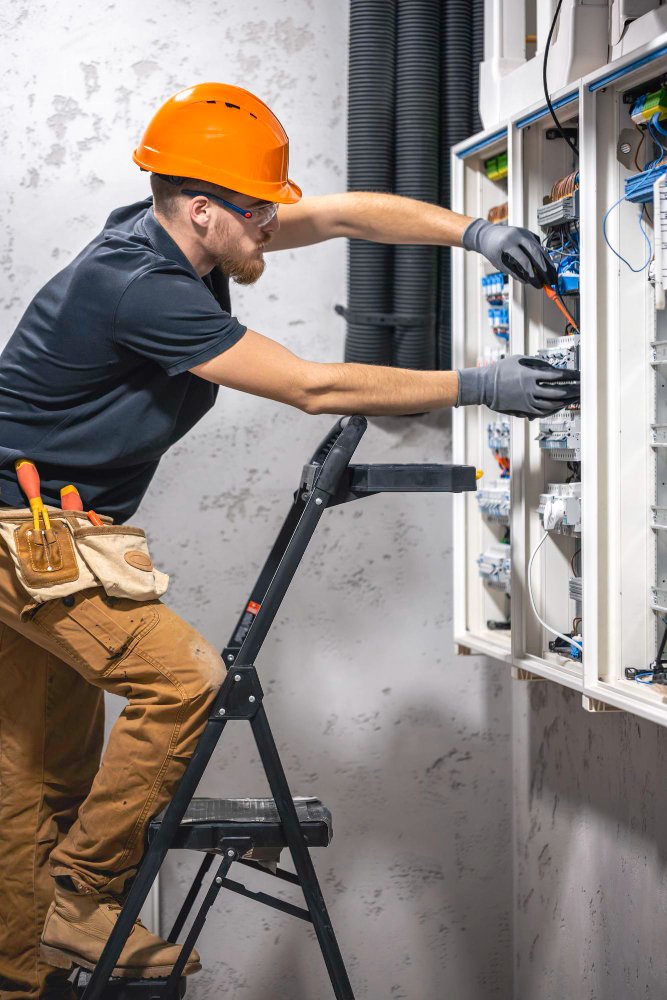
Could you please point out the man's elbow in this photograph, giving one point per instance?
(313, 390)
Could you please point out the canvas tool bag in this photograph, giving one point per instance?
(74, 555)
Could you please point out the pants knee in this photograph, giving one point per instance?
(205, 675)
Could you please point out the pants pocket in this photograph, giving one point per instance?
(92, 636)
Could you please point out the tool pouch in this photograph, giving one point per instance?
(74, 555)
(119, 559)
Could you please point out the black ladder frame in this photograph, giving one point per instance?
(327, 480)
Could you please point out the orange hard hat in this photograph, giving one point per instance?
(222, 134)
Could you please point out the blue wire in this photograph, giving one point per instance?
(655, 122)
(637, 270)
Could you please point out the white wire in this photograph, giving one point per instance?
(566, 638)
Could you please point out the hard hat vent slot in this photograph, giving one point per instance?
(229, 105)
(251, 114)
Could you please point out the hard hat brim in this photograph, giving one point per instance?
(282, 194)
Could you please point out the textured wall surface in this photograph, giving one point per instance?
(590, 851)
(407, 745)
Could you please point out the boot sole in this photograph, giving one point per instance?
(63, 959)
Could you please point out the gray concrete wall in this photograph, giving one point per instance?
(408, 745)
(590, 850)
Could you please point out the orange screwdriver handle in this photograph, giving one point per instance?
(70, 498)
(94, 519)
(28, 477)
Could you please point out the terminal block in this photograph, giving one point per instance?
(562, 352)
(490, 355)
(498, 440)
(560, 435)
(494, 501)
(496, 167)
(495, 289)
(498, 436)
(560, 508)
(561, 212)
(495, 567)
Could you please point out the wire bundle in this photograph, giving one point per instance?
(639, 190)
(498, 214)
(565, 187)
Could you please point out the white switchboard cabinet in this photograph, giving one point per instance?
(584, 519)
(482, 554)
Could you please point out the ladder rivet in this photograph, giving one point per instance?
(318, 500)
(230, 658)
(251, 698)
(218, 880)
(230, 854)
(237, 677)
(221, 711)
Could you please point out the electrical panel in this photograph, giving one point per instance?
(561, 557)
(483, 559)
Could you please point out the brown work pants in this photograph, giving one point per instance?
(61, 813)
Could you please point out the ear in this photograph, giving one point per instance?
(200, 211)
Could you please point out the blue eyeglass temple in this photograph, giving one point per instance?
(245, 212)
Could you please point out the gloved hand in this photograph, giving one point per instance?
(519, 386)
(513, 250)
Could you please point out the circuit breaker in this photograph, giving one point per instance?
(561, 558)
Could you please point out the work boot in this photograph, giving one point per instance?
(78, 925)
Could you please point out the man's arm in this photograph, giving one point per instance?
(367, 215)
(263, 367)
(522, 386)
(390, 218)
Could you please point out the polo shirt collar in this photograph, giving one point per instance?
(162, 241)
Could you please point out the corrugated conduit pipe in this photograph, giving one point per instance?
(370, 162)
(417, 174)
(456, 92)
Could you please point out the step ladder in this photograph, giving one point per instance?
(230, 831)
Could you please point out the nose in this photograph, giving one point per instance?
(271, 227)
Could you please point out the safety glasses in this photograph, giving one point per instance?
(262, 215)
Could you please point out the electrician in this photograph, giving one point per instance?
(115, 359)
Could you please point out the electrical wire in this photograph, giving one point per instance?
(637, 270)
(641, 143)
(566, 638)
(571, 144)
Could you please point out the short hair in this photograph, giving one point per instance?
(166, 190)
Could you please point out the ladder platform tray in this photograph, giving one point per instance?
(208, 822)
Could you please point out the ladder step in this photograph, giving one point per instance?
(132, 989)
(208, 822)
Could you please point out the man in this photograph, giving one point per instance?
(115, 359)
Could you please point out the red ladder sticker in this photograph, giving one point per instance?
(253, 607)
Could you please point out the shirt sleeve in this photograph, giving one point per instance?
(172, 318)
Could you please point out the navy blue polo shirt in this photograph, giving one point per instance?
(94, 381)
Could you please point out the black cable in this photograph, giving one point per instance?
(571, 144)
(659, 661)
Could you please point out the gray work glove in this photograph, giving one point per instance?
(519, 386)
(513, 250)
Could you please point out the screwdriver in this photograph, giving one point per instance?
(28, 478)
(553, 295)
(70, 499)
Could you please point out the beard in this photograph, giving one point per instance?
(243, 270)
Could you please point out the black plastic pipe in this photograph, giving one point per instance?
(456, 80)
(417, 175)
(370, 167)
